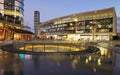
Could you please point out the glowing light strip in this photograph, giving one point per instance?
(9, 12)
(53, 47)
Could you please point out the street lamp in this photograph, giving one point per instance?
(93, 29)
(76, 24)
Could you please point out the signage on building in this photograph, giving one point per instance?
(79, 31)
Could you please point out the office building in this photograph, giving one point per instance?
(36, 23)
(11, 20)
(92, 25)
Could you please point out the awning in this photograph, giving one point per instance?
(21, 31)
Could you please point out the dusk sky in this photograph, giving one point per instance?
(50, 9)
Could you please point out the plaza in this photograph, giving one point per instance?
(76, 44)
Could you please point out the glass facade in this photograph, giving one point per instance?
(36, 22)
(11, 18)
(104, 24)
(14, 7)
(87, 24)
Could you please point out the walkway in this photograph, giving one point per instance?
(110, 46)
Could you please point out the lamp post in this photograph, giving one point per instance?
(76, 20)
(93, 29)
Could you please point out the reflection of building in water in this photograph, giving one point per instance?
(36, 62)
(95, 61)
(10, 64)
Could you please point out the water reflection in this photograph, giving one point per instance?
(36, 62)
(93, 62)
(10, 64)
(84, 64)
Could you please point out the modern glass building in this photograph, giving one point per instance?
(11, 20)
(12, 9)
(36, 23)
(92, 25)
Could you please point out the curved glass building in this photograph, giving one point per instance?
(11, 20)
(92, 25)
(12, 9)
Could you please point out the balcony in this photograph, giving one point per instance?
(10, 19)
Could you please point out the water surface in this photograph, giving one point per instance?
(57, 64)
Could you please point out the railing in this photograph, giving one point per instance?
(19, 42)
(10, 20)
(69, 46)
(48, 46)
(111, 45)
(52, 46)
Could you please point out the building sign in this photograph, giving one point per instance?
(79, 31)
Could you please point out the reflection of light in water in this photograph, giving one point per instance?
(99, 62)
(74, 62)
(78, 57)
(22, 56)
(103, 51)
(90, 58)
(1, 71)
(94, 69)
(109, 55)
(86, 61)
(28, 56)
(71, 56)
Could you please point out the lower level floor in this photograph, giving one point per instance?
(11, 35)
(87, 37)
(11, 31)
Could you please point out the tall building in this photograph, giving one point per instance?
(92, 25)
(12, 9)
(11, 20)
(36, 23)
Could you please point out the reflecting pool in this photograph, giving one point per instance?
(57, 64)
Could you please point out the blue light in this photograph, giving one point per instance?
(22, 56)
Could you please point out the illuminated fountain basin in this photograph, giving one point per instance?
(52, 48)
(97, 63)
